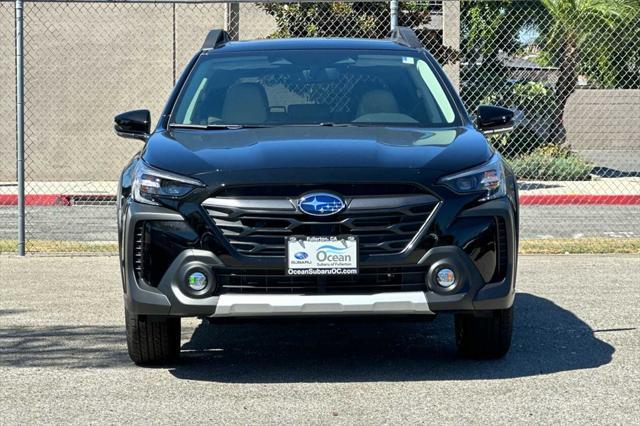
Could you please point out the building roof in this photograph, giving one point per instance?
(525, 64)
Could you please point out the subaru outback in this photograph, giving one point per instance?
(316, 177)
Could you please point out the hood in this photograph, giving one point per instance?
(331, 151)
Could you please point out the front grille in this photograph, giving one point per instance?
(259, 226)
(368, 281)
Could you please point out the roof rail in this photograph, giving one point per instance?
(215, 38)
(406, 37)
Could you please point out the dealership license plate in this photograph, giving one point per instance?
(322, 255)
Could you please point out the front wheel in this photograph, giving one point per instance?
(152, 340)
(484, 337)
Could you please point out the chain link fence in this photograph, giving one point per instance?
(572, 74)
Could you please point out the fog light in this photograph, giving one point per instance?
(197, 281)
(445, 278)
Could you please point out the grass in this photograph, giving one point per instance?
(580, 246)
(538, 246)
(62, 247)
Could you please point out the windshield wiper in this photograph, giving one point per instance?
(323, 124)
(216, 126)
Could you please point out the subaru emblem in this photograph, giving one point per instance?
(320, 204)
(301, 255)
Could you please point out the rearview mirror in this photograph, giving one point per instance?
(134, 124)
(493, 119)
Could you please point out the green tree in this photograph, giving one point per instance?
(329, 19)
(356, 19)
(612, 59)
(490, 32)
(575, 28)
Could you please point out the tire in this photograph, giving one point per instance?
(152, 340)
(484, 337)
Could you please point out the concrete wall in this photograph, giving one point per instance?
(604, 119)
(86, 62)
(451, 37)
(7, 93)
(603, 126)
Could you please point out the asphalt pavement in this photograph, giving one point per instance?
(574, 357)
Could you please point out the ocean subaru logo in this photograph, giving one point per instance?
(332, 249)
(301, 255)
(320, 204)
(332, 253)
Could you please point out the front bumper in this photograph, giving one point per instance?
(251, 305)
(472, 292)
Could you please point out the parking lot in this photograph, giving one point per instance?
(574, 356)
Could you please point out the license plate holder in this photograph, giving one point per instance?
(335, 255)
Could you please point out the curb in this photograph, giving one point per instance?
(580, 199)
(534, 200)
(57, 199)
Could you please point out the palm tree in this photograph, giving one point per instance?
(574, 24)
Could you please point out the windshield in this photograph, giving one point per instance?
(315, 87)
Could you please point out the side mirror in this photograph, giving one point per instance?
(493, 119)
(134, 124)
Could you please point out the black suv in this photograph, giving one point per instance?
(309, 177)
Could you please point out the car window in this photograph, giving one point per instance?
(313, 87)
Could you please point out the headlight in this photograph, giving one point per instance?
(488, 178)
(149, 184)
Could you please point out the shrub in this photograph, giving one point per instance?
(551, 162)
(520, 141)
(534, 98)
(536, 104)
